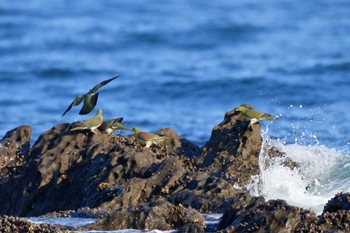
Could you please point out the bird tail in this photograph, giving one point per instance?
(120, 126)
(267, 116)
(166, 137)
(125, 128)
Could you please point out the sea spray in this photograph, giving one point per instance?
(320, 173)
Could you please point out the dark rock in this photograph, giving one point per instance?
(273, 154)
(13, 149)
(161, 215)
(233, 150)
(95, 170)
(341, 201)
(254, 215)
(336, 213)
(154, 183)
(205, 193)
(242, 204)
(338, 221)
(78, 173)
(179, 145)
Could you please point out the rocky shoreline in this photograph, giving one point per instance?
(165, 187)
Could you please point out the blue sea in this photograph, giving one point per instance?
(183, 64)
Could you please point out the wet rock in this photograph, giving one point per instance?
(179, 145)
(160, 215)
(205, 193)
(153, 183)
(336, 213)
(242, 203)
(341, 201)
(232, 153)
(113, 172)
(274, 154)
(95, 170)
(252, 214)
(13, 149)
(338, 221)
(233, 149)
(78, 173)
(9, 224)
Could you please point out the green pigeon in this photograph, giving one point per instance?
(110, 126)
(90, 98)
(253, 115)
(92, 123)
(148, 138)
(248, 106)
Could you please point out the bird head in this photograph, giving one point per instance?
(136, 130)
(241, 109)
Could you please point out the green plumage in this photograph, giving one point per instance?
(148, 138)
(92, 123)
(90, 98)
(253, 115)
(110, 126)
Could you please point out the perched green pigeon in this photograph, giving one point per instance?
(92, 123)
(248, 106)
(90, 98)
(148, 138)
(253, 115)
(110, 126)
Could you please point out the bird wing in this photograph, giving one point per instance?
(78, 128)
(117, 125)
(268, 116)
(251, 113)
(89, 103)
(101, 84)
(93, 121)
(119, 120)
(75, 102)
(106, 124)
(146, 136)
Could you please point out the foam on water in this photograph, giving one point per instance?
(78, 222)
(321, 173)
(72, 222)
(128, 231)
(211, 220)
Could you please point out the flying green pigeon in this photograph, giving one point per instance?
(148, 138)
(253, 115)
(90, 98)
(92, 123)
(110, 126)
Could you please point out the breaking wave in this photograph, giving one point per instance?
(321, 172)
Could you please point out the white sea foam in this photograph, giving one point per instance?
(321, 173)
(72, 222)
(78, 222)
(128, 231)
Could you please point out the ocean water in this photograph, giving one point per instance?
(183, 64)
